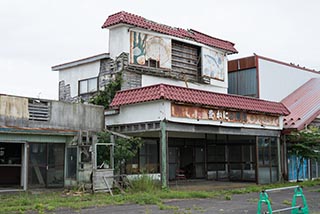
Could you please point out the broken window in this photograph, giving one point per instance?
(104, 156)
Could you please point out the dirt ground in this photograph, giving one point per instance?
(243, 203)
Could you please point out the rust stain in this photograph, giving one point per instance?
(200, 113)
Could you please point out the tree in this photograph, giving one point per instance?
(105, 97)
(124, 149)
(305, 144)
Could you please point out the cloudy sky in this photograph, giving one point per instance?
(37, 34)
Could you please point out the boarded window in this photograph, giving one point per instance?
(186, 60)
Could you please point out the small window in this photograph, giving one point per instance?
(88, 85)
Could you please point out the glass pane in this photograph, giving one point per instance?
(55, 173)
(199, 155)
(71, 163)
(235, 153)
(92, 85)
(83, 88)
(37, 164)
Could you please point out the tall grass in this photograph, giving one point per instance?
(144, 184)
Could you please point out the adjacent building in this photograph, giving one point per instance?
(295, 86)
(46, 143)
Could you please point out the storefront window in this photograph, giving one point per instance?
(268, 159)
(147, 161)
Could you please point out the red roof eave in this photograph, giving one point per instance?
(197, 97)
(138, 21)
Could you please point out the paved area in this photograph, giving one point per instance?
(243, 203)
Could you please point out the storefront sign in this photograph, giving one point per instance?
(222, 115)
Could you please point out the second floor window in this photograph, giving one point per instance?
(88, 85)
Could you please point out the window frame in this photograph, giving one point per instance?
(87, 90)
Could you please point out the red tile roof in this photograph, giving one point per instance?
(197, 97)
(138, 21)
(304, 105)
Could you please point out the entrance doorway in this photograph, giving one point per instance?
(11, 164)
(187, 160)
(46, 165)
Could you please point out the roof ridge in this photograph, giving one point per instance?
(192, 30)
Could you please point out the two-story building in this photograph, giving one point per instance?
(174, 96)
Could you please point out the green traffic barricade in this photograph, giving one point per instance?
(295, 209)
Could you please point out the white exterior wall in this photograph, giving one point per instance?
(152, 80)
(74, 74)
(277, 81)
(158, 110)
(141, 112)
(119, 41)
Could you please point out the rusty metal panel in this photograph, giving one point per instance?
(243, 63)
(222, 115)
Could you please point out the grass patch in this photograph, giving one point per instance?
(143, 192)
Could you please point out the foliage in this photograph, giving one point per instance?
(144, 184)
(124, 149)
(305, 144)
(106, 96)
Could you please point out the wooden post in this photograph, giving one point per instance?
(163, 143)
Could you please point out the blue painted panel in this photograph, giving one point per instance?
(292, 169)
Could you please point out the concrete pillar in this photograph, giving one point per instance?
(163, 143)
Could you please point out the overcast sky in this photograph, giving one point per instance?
(37, 34)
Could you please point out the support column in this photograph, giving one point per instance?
(279, 160)
(163, 143)
(112, 140)
(25, 166)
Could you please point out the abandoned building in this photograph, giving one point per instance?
(174, 94)
(263, 77)
(46, 143)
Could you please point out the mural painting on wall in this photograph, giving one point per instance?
(148, 49)
(199, 113)
(213, 64)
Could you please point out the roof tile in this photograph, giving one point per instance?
(138, 21)
(197, 97)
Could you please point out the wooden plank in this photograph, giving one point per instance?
(184, 62)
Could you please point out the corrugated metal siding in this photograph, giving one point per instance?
(243, 82)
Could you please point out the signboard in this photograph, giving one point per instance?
(145, 47)
(200, 113)
(213, 65)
